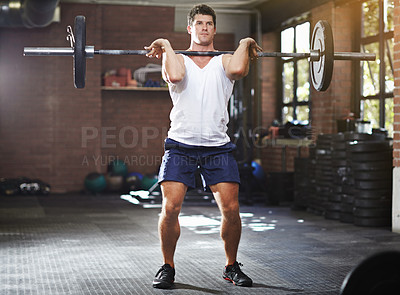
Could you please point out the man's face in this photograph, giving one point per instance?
(202, 30)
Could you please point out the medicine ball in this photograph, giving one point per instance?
(115, 183)
(117, 167)
(148, 181)
(258, 171)
(95, 182)
(133, 181)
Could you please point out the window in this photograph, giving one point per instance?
(295, 74)
(377, 86)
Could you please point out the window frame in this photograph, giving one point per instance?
(295, 103)
(381, 38)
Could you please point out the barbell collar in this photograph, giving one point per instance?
(315, 55)
(89, 51)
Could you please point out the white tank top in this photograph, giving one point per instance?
(199, 114)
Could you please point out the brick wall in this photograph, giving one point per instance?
(270, 160)
(335, 103)
(41, 113)
(271, 155)
(269, 78)
(46, 124)
(134, 127)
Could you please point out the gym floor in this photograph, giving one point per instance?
(86, 244)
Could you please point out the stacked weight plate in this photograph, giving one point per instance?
(348, 189)
(371, 165)
(312, 198)
(323, 173)
(337, 207)
(301, 183)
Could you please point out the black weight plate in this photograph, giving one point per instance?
(339, 163)
(371, 166)
(337, 181)
(325, 137)
(347, 208)
(321, 71)
(372, 156)
(338, 189)
(373, 175)
(373, 203)
(339, 145)
(347, 199)
(351, 136)
(338, 137)
(335, 197)
(372, 221)
(346, 217)
(349, 189)
(372, 212)
(373, 194)
(368, 146)
(324, 144)
(300, 164)
(334, 215)
(336, 154)
(79, 51)
(373, 184)
(331, 206)
(323, 163)
(324, 194)
(377, 274)
(340, 180)
(323, 187)
(301, 183)
(325, 174)
(321, 153)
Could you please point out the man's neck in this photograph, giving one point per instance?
(199, 47)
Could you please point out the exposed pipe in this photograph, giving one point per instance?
(27, 13)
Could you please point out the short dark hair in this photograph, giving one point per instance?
(201, 9)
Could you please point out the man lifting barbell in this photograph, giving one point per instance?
(200, 88)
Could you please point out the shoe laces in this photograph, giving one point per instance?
(236, 267)
(163, 270)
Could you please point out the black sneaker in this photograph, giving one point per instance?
(164, 277)
(234, 274)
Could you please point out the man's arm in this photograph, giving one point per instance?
(172, 63)
(237, 65)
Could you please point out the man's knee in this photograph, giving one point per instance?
(230, 210)
(171, 209)
(173, 195)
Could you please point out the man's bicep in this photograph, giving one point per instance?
(179, 66)
(226, 59)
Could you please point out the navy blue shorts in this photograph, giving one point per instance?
(181, 161)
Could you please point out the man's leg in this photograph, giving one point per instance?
(168, 225)
(226, 196)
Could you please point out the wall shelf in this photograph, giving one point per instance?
(134, 88)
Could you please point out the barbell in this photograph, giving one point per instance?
(321, 55)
